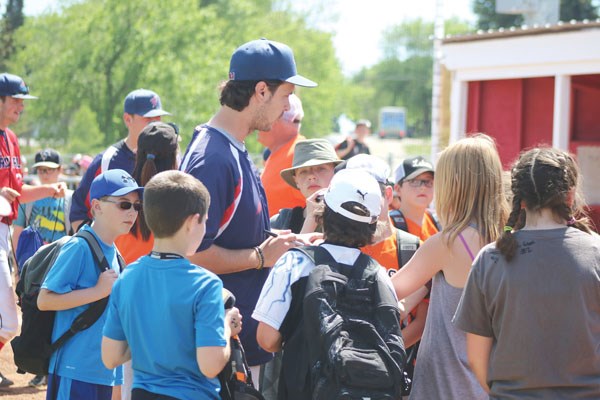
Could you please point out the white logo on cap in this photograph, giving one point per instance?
(421, 163)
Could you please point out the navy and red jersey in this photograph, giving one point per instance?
(117, 156)
(10, 168)
(237, 217)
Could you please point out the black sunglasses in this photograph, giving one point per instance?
(125, 205)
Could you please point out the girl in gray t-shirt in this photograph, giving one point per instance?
(531, 306)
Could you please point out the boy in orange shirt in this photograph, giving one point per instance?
(414, 187)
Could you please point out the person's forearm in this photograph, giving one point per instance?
(114, 352)
(478, 356)
(341, 153)
(32, 193)
(413, 332)
(16, 235)
(225, 261)
(413, 300)
(212, 360)
(310, 225)
(50, 301)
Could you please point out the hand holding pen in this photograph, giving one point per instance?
(302, 239)
(276, 244)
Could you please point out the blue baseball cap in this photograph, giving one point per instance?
(264, 59)
(114, 182)
(144, 102)
(14, 86)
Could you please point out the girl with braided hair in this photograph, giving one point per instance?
(531, 306)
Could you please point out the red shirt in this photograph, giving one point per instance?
(10, 169)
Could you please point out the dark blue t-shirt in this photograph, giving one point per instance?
(237, 217)
(117, 156)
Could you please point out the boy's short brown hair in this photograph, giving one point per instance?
(170, 197)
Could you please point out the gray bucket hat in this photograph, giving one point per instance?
(308, 153)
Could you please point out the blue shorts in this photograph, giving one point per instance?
(61, 388)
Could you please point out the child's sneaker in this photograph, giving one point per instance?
(38, 380)
(4, 381)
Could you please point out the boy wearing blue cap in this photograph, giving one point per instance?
(262, 76)
(141, 107)
(76, 369)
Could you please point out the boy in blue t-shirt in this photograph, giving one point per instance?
(166, 314)
(76, 369)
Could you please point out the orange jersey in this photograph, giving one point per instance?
(133, 247)
(385, 253)
(425, 231)
(279, 193)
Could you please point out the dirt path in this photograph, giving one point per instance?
(20, 390)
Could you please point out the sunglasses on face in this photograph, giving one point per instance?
(416, 183)
(125, 205)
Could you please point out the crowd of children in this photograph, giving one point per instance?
(347, 289)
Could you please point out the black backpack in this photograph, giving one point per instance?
(33, 348)
(235, 378)
(406, 246)
(351, 324)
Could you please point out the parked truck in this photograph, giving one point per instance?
(392, 122)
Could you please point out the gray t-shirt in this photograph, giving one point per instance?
(543, 312)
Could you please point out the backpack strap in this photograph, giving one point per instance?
(67, 210)
(398, 220)
(88, 317)
(406, 246)
(97, 252)
(320, 256)
(28, 211)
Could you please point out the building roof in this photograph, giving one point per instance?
(523, 30)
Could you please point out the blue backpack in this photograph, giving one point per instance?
(31, 239)
(29, 242)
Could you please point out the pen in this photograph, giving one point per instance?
(271, 233)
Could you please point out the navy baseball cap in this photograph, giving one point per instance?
(264, 59)
(114, 182)
(48, 158)
(144, 102)
(14, 86)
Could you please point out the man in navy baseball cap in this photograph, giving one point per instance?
(262, 77)
(14, 86)
(264, 59)
(144, 102)
(141, 107)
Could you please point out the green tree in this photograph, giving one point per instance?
(487, 18)
(578, 10)
(403, 78)
(11, 20)
(93, 53)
